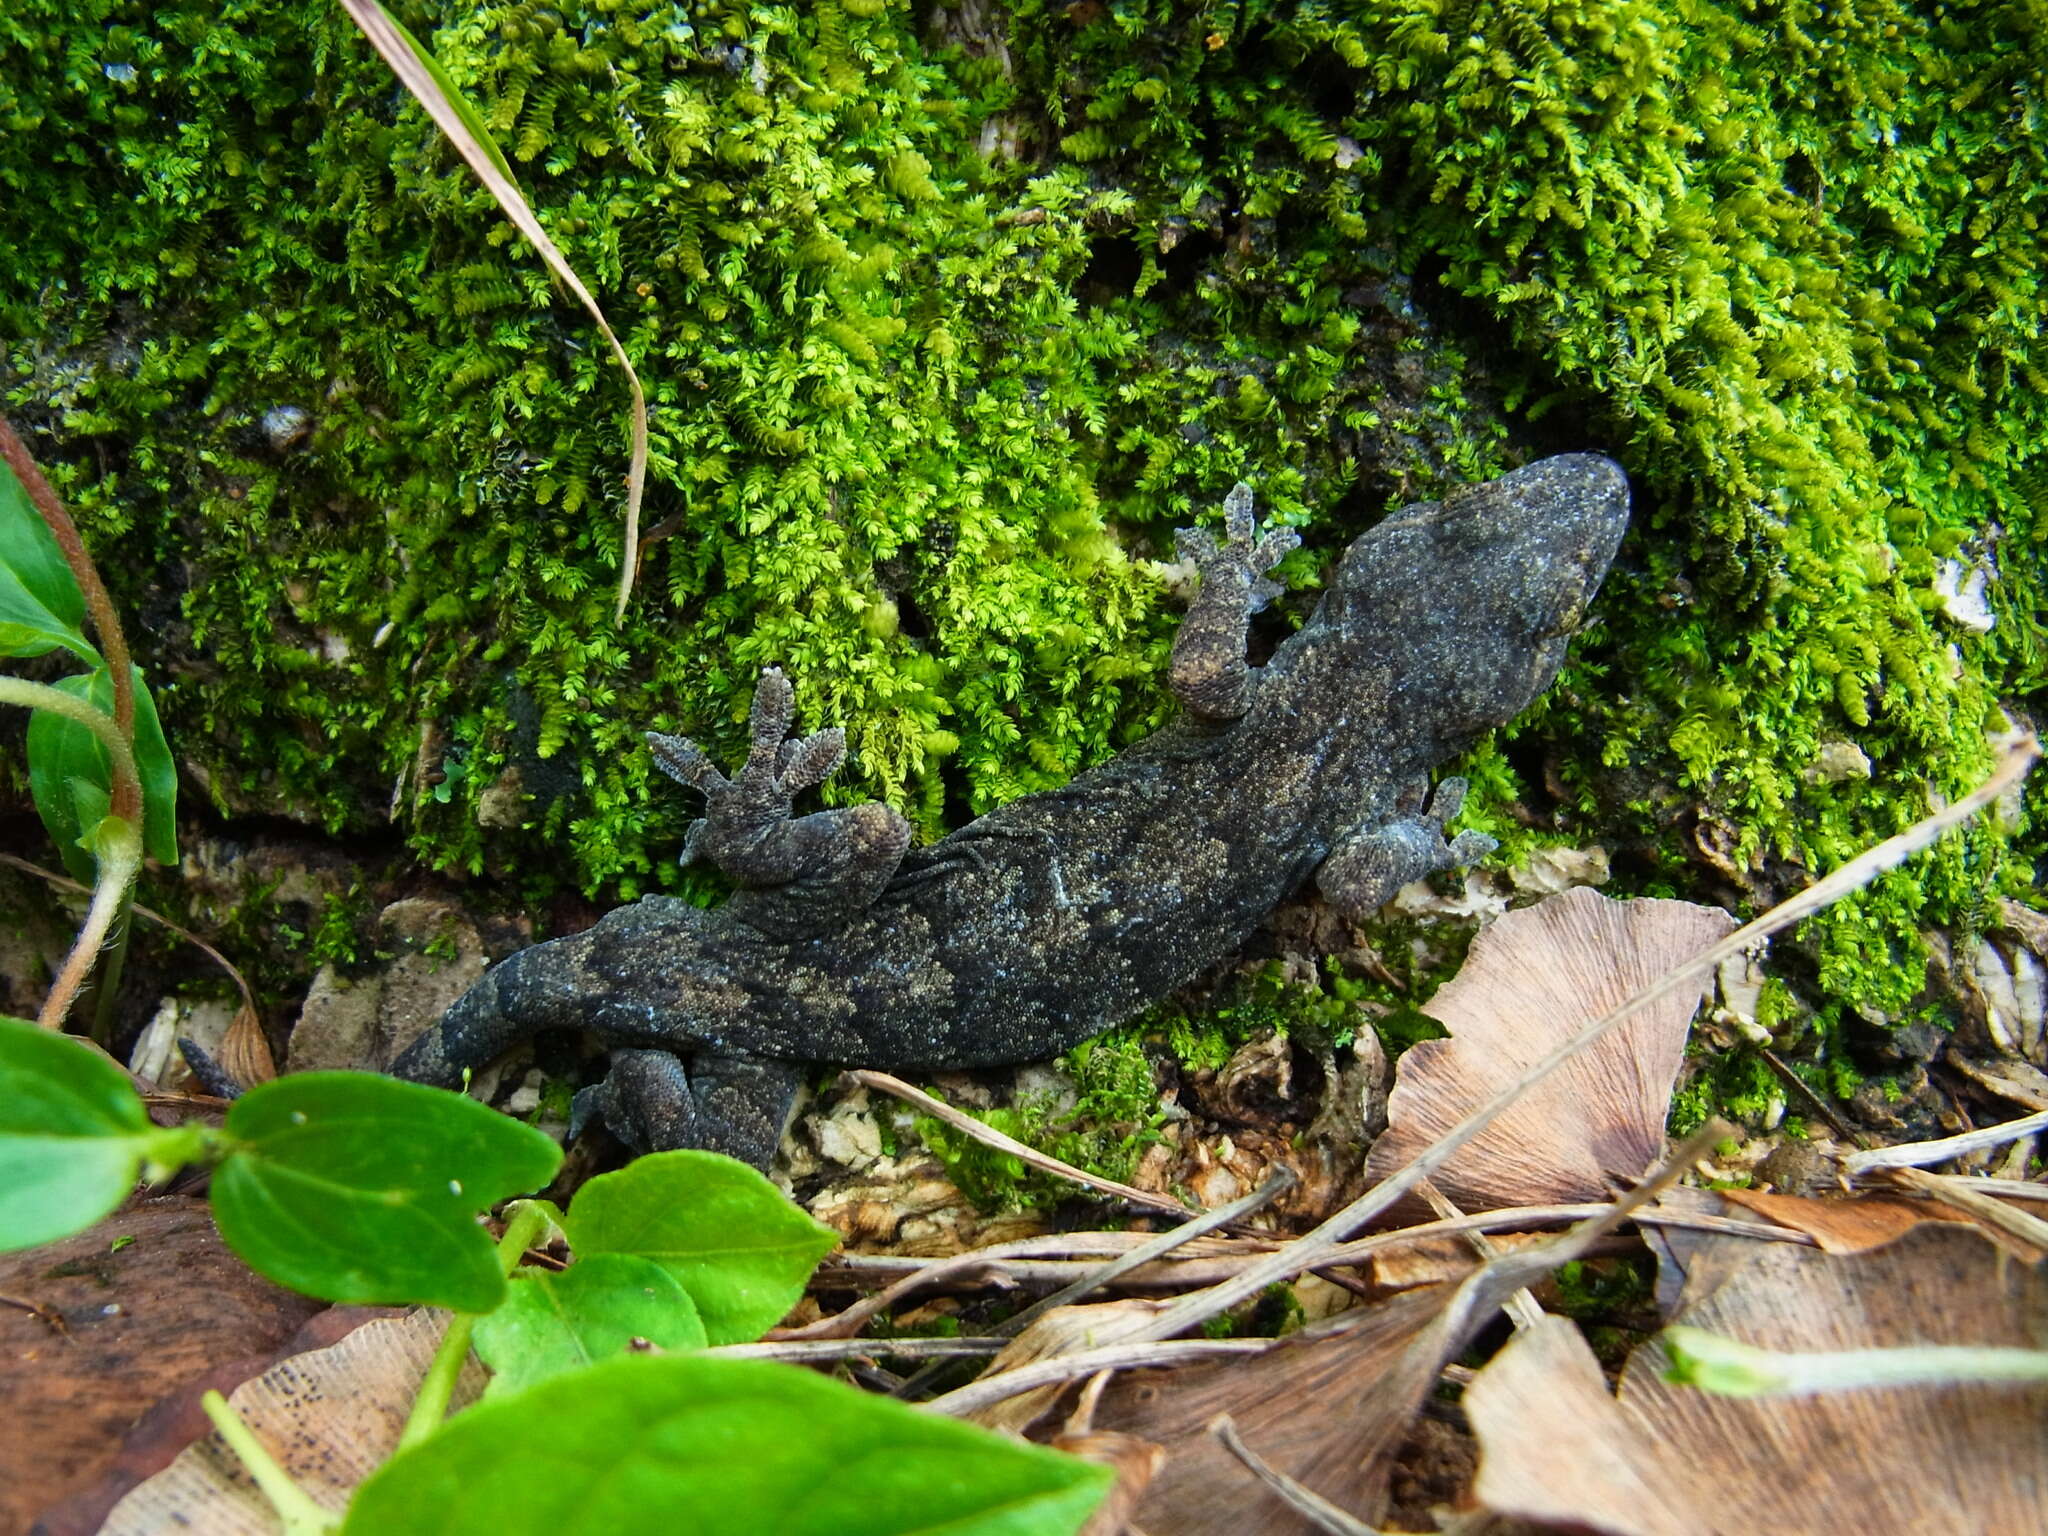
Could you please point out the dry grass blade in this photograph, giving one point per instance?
(1026, 1259)
(989, 1136)
(1278, 1182)
(990, 1390)
(423, 76)
(812, 1351)
(1858, 872)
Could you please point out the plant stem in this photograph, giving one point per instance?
(117, 859)
(1716, 1363)
(438, 1385)
(104, 986)
(294, 1506)
(106, 622)
(120, 857)
(17, 690)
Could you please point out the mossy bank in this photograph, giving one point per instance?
(948, 316)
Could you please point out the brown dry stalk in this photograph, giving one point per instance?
(106, 623)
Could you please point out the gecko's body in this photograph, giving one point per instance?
(1062, 913)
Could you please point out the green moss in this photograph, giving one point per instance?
(918, 410)
(1736, 1083)
(1104, 1128)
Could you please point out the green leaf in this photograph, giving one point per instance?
(73, 1134)
(71, 781)
(690, 1443)
(738, 1246)
(555, 1322)
(361, 1188)
(41, 608)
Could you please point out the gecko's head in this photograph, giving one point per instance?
(1469, 601)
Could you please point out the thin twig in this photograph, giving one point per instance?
(991, 1137)
(1278, 1182)
(1305, 1502)
(1920, 1154)
(1522, 1309)
(1859, 871)
(1017, 1262)
(1519, 1267)
(1112, 1357)
(805, 1351)
(1813, 1100)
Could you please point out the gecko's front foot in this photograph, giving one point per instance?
(795, 873)
(1208, 671)
(1368, 864)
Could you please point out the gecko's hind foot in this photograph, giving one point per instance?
(1369, 864)
(655, 1102)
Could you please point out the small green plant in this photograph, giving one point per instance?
(359, 1188)
(99, 769)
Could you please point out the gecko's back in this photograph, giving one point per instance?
(1060, 913)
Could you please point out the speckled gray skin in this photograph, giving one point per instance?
(1062, 913)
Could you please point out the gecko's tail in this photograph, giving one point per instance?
(535, 989)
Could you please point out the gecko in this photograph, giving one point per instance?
(1062, 913)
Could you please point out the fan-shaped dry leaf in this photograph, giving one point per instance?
(1532, 979)
(1665, 1460)
(1319, 1406)
(1062, 1331)
(329, 1417)
(245, 1053)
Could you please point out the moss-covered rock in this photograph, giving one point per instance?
(946, 319)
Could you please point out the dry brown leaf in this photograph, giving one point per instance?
(91, 1335)
(245, 1052)
(1319, 1406)
(330, 1417)
(1663, 1460)
(1534, 978)
(1844, 1226)
(1062, 1331)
